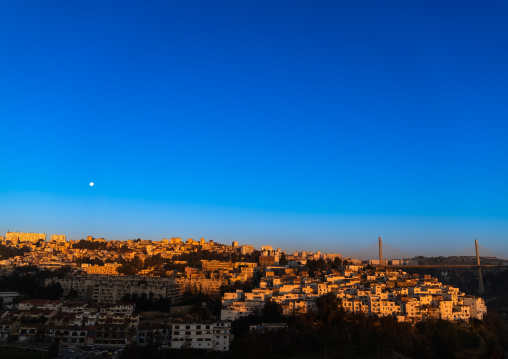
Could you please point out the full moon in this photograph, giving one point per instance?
(91, 184)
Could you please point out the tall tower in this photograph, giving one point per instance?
(380, 252)
(481, 289)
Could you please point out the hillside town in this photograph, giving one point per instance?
(101, 280)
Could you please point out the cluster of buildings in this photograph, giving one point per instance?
(108, 290)
(59, 252)
(81, 324)
(205, 278)
(381, 292)
(278, 276)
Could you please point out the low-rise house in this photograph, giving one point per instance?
(8, 329)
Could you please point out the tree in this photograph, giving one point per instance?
(283, 260)
(272, 312)
(127, 269)
(329, 308)
(73, 293)
(337, 262)
(9, 252)
(52, 291)
(316, 265)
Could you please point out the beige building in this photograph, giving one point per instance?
(19, 237)
(107, 268)
(58, 237)
(175, 240)
(246, 249)
(201, 285)
(477, 306)
(215, 265)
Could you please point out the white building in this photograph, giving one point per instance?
(205, 335)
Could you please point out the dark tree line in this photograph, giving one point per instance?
(92, 261)
(344, 335)
(29, 281)
(331, 332)
(148, 302)
(320, 265)
(83, 244)
(245, 286)
(194, 258)
(9, 252)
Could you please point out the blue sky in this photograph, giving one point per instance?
(305, 125)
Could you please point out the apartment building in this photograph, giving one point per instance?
(201, 335)
(200, 284)
(19, 237)
(477, 306)
(193, 336)
(216, 265)
(104, 289)
(106, 269)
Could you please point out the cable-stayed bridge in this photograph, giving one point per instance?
(385, 252)
(389, 252)
(372, 251)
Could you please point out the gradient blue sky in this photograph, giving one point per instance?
(315, 125)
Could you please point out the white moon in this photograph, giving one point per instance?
(91, 184)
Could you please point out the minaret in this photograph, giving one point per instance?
(380, 252)
(480, 279)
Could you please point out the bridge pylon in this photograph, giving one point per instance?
(481, 289)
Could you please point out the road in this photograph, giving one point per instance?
(92, 353)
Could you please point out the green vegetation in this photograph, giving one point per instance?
(148, 303)
(331, 333)
(194, 258)
(321, 265)
(9, 252)
(344, 335)
(29, 281)
(83, 244)
(131, 267)
(91, 261)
